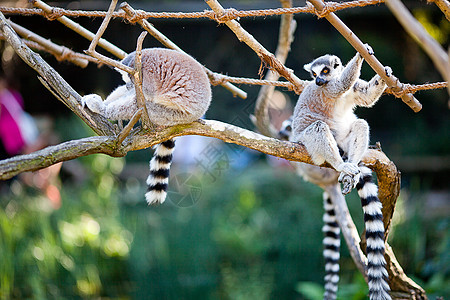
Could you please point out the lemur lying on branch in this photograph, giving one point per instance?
(176, 90)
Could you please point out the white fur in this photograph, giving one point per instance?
(369, 189)
(331, 241)
(331, 254)
(326, 228)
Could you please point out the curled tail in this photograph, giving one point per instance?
(158, 179)
(331, 244)
(373, 220)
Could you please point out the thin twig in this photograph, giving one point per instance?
(60, 52)
(81, 31)
(97, 37)
(285, 38)
(140, 98)
(127, 129)
(434, 50)
(131, 13)
(391, 81)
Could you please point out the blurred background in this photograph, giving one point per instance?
(237, 224)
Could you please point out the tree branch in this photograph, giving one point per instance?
(421, 36)
(81, 30)
(264, 55)
(391, 81)
(131, 13)
(285, 38)
(58, 51)
(67, 94)
(140, 98)
(54, 154)
(444, 6)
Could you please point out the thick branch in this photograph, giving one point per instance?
(144, 139)
(67, 94)
(391, 81)
(55, 154)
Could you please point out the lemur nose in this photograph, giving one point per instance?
(320, 81)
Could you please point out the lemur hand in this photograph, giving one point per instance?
(388, 71)
(369, 49)
(93, 102)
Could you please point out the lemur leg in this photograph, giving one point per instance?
(357, 143)
(322, 146)
(120, 91)
(120, 104)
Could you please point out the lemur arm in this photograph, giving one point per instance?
(366, 94)
(119, 105)
(351, 72)
(347, 79)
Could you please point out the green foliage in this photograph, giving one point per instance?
(257, 237)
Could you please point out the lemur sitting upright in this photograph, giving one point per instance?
(177, 91)
(324, 122)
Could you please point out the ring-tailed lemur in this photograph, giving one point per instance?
(176, 90)
(324, 122)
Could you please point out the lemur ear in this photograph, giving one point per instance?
(307, 67)
(336, 63)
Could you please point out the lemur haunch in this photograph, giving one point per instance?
(324, 122)
(176, 90)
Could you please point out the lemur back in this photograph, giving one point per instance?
(176, 90)
(324, 122)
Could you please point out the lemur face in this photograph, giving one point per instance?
(324, 68)
(286, 129)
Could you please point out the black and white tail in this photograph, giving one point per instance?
(158, 179)
(331, 245)
(373, 220)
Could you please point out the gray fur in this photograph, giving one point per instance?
(324, 122)
(175, 86)
(323, 118)
(176, 90)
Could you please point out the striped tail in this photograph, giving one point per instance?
(331, 243)
(373, 219)
(158, 179)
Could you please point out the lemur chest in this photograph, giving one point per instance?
(324, 108)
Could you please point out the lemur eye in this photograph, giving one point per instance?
(314, 74)
(325, 71)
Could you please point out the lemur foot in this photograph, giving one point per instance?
(349, 177)
(93, 102)
(388, 71)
